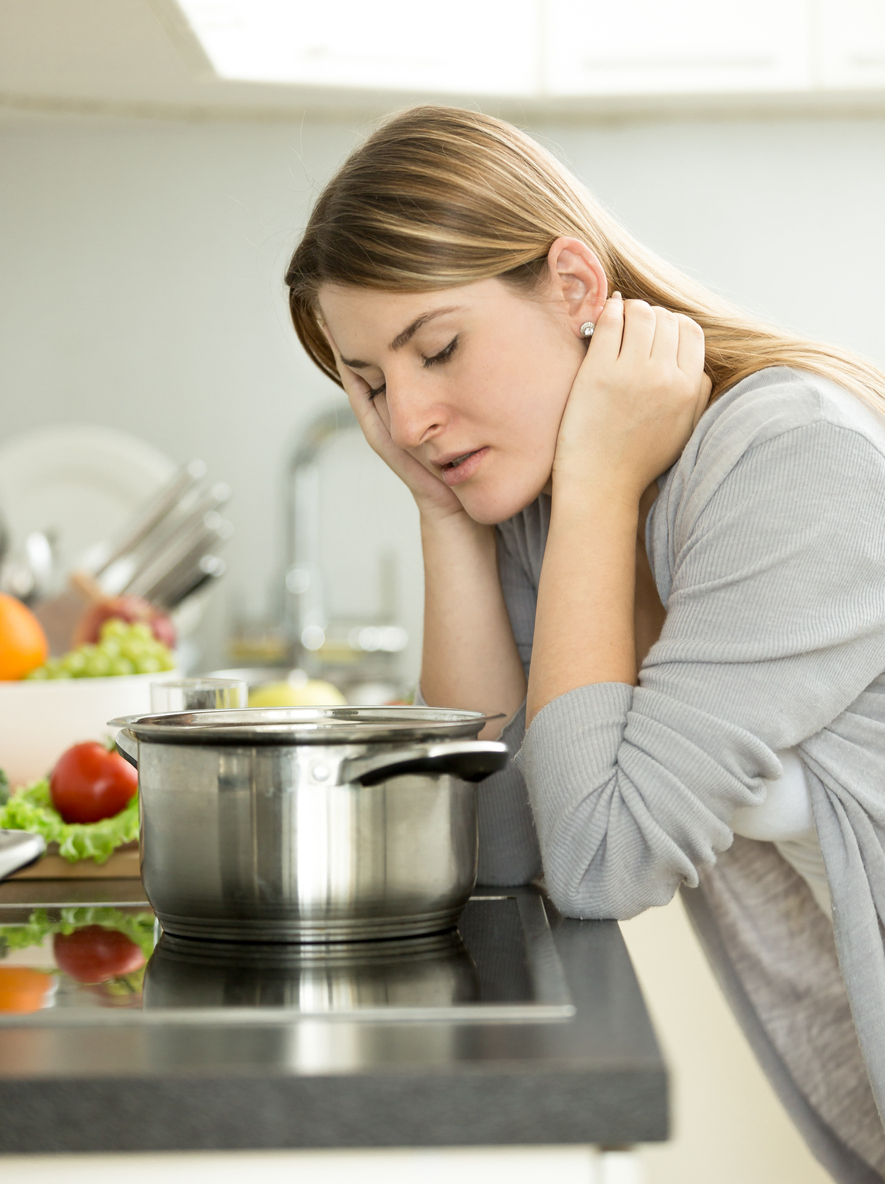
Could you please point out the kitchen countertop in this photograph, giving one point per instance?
(595, 1076)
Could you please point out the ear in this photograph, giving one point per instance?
(578, 281)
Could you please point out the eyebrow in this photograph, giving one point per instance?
(405, 337)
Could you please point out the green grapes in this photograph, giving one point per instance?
(121, 649)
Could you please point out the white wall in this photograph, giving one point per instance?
(783, 216)
(140, 284)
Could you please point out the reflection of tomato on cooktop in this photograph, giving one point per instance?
(94, 954)
(53, 956)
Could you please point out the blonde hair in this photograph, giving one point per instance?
(440, 196)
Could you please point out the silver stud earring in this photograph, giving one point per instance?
(587, 329)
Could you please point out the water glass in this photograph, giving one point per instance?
(198, 694)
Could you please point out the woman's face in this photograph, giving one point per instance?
(471, 381)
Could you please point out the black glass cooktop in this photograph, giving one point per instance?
(107, 964)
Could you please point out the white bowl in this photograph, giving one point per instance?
(39, 719)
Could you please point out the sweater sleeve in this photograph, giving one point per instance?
(775, 625)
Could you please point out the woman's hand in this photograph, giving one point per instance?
(635, 400)
(469, 658)
(433, 496)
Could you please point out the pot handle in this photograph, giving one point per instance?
(127, 746)
(471, 760)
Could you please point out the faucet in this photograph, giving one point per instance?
(363, 648)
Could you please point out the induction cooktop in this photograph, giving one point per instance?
(111, 964)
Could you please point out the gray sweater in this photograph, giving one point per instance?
(767, 544)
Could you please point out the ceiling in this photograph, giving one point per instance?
(138, 58)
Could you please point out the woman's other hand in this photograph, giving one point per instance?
(635, 400)
(433, 496)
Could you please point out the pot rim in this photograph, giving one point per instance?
(304, 725)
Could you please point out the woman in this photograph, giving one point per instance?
(660, 555)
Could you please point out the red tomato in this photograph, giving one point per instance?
(95, 954)
(90, 783)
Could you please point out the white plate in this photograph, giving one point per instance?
(80, 481)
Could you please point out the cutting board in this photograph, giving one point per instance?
(122, 865)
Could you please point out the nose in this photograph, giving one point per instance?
(416, 415)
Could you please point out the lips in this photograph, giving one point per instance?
(460, 466)
(453, 464)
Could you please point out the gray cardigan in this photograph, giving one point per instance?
(767, 544)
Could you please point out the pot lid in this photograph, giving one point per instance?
(304, 725)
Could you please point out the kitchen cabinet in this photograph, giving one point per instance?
(559, 49)
(644, 47)
(852, 44)
(466, 47)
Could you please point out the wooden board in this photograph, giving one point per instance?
(122, 865)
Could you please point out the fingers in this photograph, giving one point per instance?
(324, 329)
(666, 335)
(640, 323)
(355, 387)
(705, 389)
(344, 372)
(605, 344)
(635, 331)
(690, 352)
(690, 358)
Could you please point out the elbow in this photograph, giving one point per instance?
(616, 863)
(600, 897)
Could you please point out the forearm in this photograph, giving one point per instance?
(635, 401)
(584, 628)
(470, 659)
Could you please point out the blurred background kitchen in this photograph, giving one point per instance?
(157, 162)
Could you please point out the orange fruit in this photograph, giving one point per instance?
(22, 989)
(23, 644)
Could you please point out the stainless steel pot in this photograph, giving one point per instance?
(308, 824)
(414, 972)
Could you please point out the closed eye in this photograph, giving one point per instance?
(442, 356)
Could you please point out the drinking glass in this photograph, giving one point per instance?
(198, 694)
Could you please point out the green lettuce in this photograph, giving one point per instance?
(138, 927)
(31, 809)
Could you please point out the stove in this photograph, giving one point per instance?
(109, 963)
